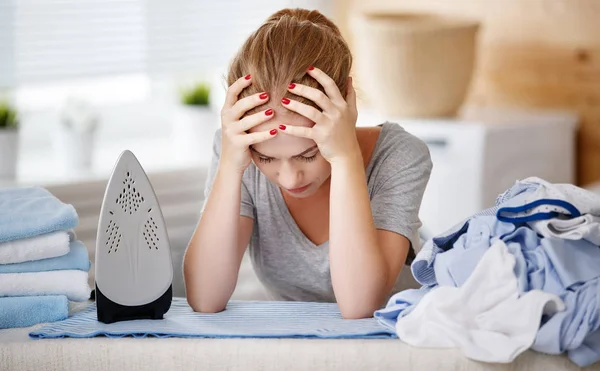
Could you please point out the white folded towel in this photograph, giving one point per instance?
(44, 246)
(72, 283)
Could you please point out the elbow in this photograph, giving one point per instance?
(209, 308)
(203, 306)
(356, 313)
(357, 310)
(357, 306)
(199, 303)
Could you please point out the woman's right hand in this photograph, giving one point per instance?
(235, 151)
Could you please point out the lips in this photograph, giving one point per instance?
(299, 190)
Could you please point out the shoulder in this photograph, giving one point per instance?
(398, 149)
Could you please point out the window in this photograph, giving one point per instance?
(7, 45)
(109, 51)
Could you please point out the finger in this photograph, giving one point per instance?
(331, 88)
(244, 105)
(305, 110)
(313, 94)
(259, 136)
(253, 120)
(235, 89)
(351, 94)
(298, 131)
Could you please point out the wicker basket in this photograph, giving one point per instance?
(415, 65)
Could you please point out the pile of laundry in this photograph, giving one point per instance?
(524, 274)
(42, 265)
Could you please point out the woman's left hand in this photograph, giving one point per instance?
(334, 130)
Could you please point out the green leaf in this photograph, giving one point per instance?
(8, 116)
(197, 95)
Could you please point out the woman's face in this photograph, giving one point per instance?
(294, 164)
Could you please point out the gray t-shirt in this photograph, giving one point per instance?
(287, 263)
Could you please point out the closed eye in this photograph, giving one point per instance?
(308, 158)
(265, 160)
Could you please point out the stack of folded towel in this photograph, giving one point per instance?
(42, 265)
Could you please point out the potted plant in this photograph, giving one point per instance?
(9, 140)
(195, 123)
(197, 95)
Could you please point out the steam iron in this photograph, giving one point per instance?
(134, 269)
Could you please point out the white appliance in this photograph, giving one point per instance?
(134, 267)
(482, 152)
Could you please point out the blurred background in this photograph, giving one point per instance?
(500, 90)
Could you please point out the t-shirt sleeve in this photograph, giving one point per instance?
(401, 178)
(247, 204)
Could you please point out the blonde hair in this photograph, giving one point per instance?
(281, 50)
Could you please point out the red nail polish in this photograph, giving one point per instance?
(264, 96)
(291, 86)
(311, 68)
(282, 127)
(269, 112)
(273, 132)
(247, 77)
(285, 101)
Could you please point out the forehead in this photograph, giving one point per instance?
(283, 145)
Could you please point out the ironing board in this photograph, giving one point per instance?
(19, 352)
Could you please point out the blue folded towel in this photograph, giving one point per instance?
(241, 319)
(25, 311)
(77, 258)
(32, 211)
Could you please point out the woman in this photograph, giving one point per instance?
(329, 211)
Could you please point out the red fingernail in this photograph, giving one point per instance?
(291, 86)
(273, 132)
(263, 95)
(282, 127)
(285, 101)
(247, 77)
(311, 68)
(269, 112)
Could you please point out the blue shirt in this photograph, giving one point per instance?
(567, 268)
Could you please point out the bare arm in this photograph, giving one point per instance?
(364, 261)
(214, 255)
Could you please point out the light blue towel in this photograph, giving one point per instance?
(241, 319)
(77, 258)
(32, 211)
(25, 311)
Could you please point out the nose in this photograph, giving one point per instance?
(289, 177)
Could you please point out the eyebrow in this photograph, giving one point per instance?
(298, 155)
